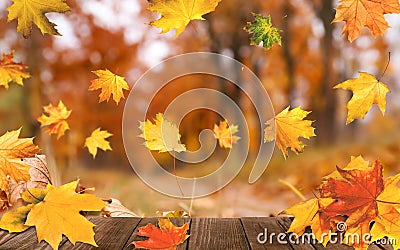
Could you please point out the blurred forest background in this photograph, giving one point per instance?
(100, 34)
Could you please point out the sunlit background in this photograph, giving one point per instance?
(100, 34)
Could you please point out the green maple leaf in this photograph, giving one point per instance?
(263, 31)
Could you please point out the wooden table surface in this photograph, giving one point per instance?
(205, 233)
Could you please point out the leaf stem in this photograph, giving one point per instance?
(176, 176)
(384, 71)
(388, 202)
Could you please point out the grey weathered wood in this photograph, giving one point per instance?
(24, 240)
(211, 233)
(176, 221)
(5, 236)
(253, 226)
(110, 233)
(206, 233)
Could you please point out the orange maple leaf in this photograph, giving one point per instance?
(362, 201)
(225, 134)
(356, 194)
(369, 13)
(167, 236)
(55, 121)
(109, 83)
(11, 71)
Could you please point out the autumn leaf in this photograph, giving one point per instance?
(173, 214)
(360, 198)
(55, 120)
(288, 126)
(12, 151)
(176, 14)
(367, 90)
(163, 135)
(14, 221)
(369, 13)
(55, 211)
(29, 12)
(308, 213)
(225, 134)
(167, 236)
(110, 84)
(11, 71)
(39, 178)
(263, 32)
(98, 140)
(115, 208)
(356, 195)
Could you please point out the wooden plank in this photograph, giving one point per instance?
(5, 236)
(211, 233)
(24, 240)
(110, 233)
(303, 242)
(254, 226)
(176, 221)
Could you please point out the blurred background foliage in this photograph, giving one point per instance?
(100, 34)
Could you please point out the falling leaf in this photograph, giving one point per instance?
(163, 135)
(98, 140)
(263, 32)
(11, 71)
(55, 211)
(109, 83)
(115, 208)
(167, 236)
(176, 14)
(29, 12)
(367, 90)
(225, 134)
(12, 151)
(288, 126)
(369, 13)
(55, 120)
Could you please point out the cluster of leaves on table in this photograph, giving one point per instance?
(357, 194)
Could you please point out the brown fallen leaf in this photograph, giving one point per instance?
(115, 208)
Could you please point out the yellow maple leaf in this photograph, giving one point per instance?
(29, 12)
(11, 71)
(387, 222)
(369, 13)
(109, 83)
(163, 135)
(176, 14)
(367, 90)
(288, 126)
(55, 211)
(12, 151)
(14, 221)
(306, 214)
(56, 120)
(98, 140)
(225, 134)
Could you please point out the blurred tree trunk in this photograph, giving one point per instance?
(286, 41)
(33, 100)
(323, 103)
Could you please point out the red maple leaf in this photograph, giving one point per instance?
(356, 194)
(168, 236)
